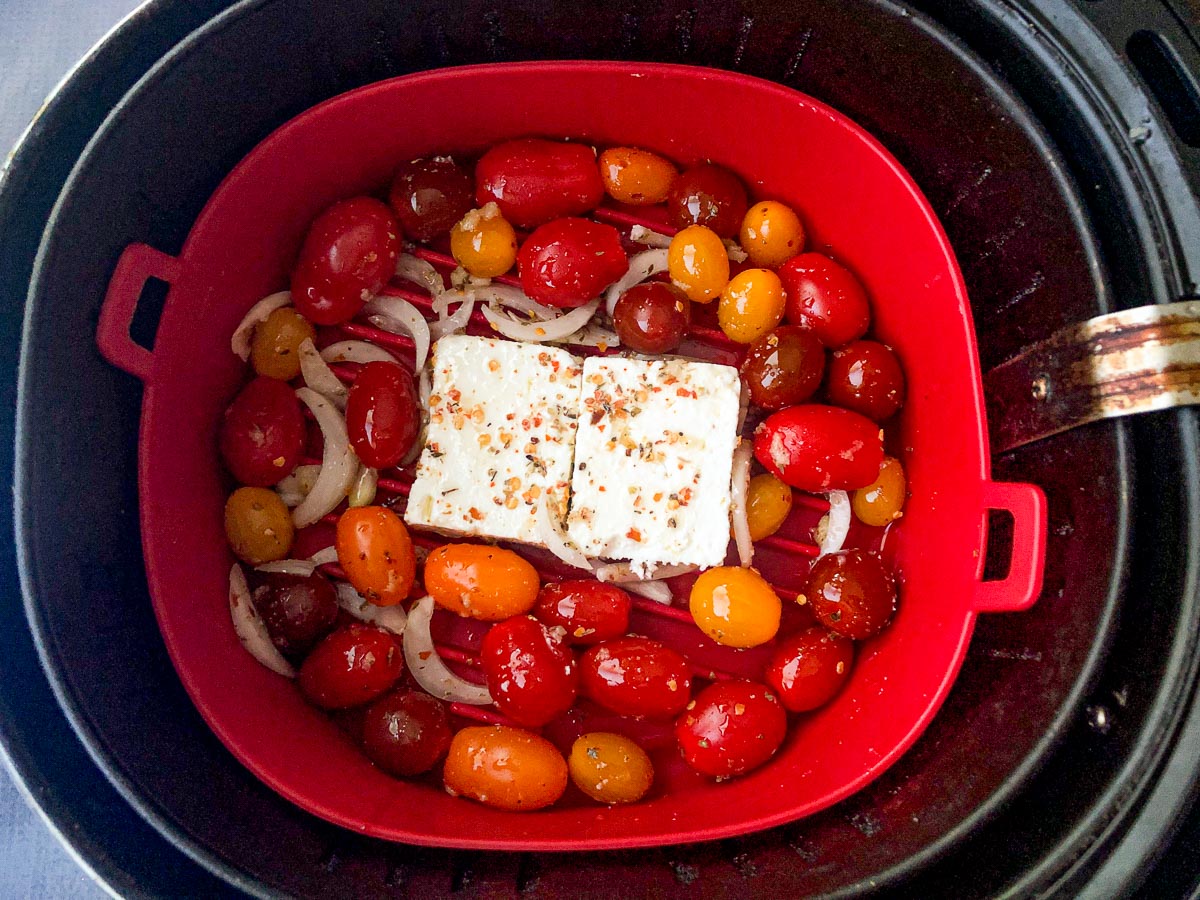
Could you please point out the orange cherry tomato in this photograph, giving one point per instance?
(771, 233)
(636, 176)
(751, 305)
(698, 263)
(735, 606)
(610, 768)
(882, 501)
(481, 582)
(374, 548)
(768, 504)
(507, 768)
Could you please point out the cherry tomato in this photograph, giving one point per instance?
(298, 610)
(825, 297)
(634, 176)
(567, 262)
(751, 305)
(698, 263)
(381, 414)
(768, 504)
(589, 611)
(652, 317)
(275, 349)
(865, 376)
(852, 593)
(820, 448)
(430, 195)
(771, 233)
(881, 502)
(258, 526)
(707, 194)
(535, 180)
(736, 607)
(505, 767)
(784, 368)
(262, 434)
(349, 255)
(730, 728)
(481, 582)
(484, 243)
(610, 768)
(809, 668)
(530, 670)
(406, 732)
(636, 676)
(351, 666)
(374, 549)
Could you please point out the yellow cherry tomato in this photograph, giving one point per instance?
(258, 525)
(771, 233)
(275, 350)
(635, 176)
(487, 583)
(374, 548)
(484, 243)
(768, 503)
(735, 606)
(698, 263)
(504, 767)
(610, 768)
(882, 501)
(751, 305)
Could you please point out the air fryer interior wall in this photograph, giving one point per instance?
(1032, 264)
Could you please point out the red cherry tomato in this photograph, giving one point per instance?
(652, 317)
(820, 448)
(534, 180)
(352, 666)
(530, 670)
(429, 196)
(865, 376)
(636, 676)
(349, 254)
(381, 414)
(569, 261)
(825, 297)
(853, 593)
(731, 728)
(809, 668)
(406, 732)
(707, 194)
(262, 434)
(589, 611)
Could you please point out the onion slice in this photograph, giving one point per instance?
(593, 335)
(834, 527)
(301, 567)
(651, 590)
(362, 491)
(392, 312)
(339, 465)
(640, 234)
(361, 352)
(642, 266)
(627, 572)
(243, 335)
(389, 618)
(250, 628)
(455, 321)
(324, 557)
(738, 505)
(319, 377)
(513, 298)
(420, 271)
(427, 667)
(538, 332)
(295, 487)
(556, 540)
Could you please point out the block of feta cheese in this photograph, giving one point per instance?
(653, 459)
(502, 423)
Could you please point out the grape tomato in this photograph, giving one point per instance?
(865, 376)
(298, 610)
(588, 611)
(429, 196)
(534, 180)
(853, 593)
(484, 243)
(258, 526)
(698, 263)
(350, 667)
(736, 607)
(406, 732)
(375, 550)
(530, 670)
(262, 433)
(610, 768)
(652, 317)
(784, 367)
(826, 297)
(504, 767)
(636, 676)
(568, 262)
(820, 448)
(275, 347)
(809, 668)
(882, 501)
(481, 582)
(768, 504)
(382, 416)
(771, 233)
(637, 177)
(751, 305)
(708, 194)
(730, 728)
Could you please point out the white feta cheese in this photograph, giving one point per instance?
(502, 423)
(653, 459)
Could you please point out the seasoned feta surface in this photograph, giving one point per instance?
(502, 423)
(653, 459)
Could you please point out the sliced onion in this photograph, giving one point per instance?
(642, 266)
(651, 590)
(513, 298)
(250, 628)
(339, 465)
(456, 321)
(301, 567)
(389, 618)
(295, 487)
(324, 557)
(738, 507)
(427, 667)
(388, 312)
(362, 491)
(593, 335)
(626, 572)
(361, 352)
(243, 335)
(538, 332)
(424, 388)
(834, 527)
(735, 252)
(743, 406)
(556, 540)
(640, 234)
(319, 377)
(420, 271)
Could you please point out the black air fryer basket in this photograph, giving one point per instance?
(1058, 142)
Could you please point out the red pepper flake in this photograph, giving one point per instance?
(475, 514)
(633, 534)
(684, 392)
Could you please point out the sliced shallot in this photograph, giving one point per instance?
(243, 335)
(295, 487)
(362, 492)
(319, 377)
(361, 352)
(419, 271)
(651, 590)
(593, 335)
(339, 465)
(626, 572)
(642, 266)
(512, 298)
(392, 314)
(300, 567)
(324, 557)
(540, 331)
(390, 618)
(428, 669)
(556, 540)
(640, 234)
(250, 628)
(738, 509)
(834, 527)
(455, 321)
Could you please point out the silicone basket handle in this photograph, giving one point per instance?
(1020, 588)
(137, 265)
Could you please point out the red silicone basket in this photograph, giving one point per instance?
(858, 202)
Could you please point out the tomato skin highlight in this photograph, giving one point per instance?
(376, 552)
(731, 728)
(504, 767)
(534, 180)
(820, 448)
(382, 415)
(530, 671)
(568, 262)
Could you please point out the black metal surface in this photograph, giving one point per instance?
(1023, 237)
